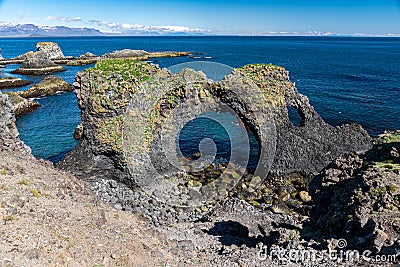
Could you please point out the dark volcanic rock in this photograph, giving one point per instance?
(38, 63)
(311, 146)
(49, 86)
(357, 197)
(9, 135)
(133, 111)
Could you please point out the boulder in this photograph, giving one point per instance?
(49, 86)
(38, 63)
(78, 133)
(21, 105)
(51, 49)
(11, 82)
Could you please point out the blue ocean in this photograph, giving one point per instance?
(347, 80)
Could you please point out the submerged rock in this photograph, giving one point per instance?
(49, 86)
(38, 63)
(21, 105)
(11, 82)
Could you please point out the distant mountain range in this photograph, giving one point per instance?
(31, 30)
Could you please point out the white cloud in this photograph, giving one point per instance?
(139, 27)
(177, 29)
(66, 19)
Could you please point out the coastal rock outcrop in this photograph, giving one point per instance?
(38, 63)
(85, 59)
(9, 135)
(11, 82)
(141, 54)
(357, 198)
(51, 49)
(49, 86)
(125, 53)
(21, 105)
(132, 111)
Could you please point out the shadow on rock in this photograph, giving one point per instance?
(234, 233)
(358, 198)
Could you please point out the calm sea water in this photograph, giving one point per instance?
(346, 79)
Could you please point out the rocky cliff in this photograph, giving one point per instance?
(132, 112)
(9, 135)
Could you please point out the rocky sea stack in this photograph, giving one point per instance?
(125, 94)
(40, 62)
(51, 49)
(37, 63)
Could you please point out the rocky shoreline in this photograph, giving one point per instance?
(323, 185)
(48, 58)
(290, 204)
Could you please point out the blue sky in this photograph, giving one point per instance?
(218, 16)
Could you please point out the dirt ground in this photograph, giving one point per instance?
(49, 218)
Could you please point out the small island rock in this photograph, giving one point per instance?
(49, 86)
(126, 53)
(52, 50)
(38, 63)
(11, 82)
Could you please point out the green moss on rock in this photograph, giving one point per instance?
(272, 80)
(109, 132)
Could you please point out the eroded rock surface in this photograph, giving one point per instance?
(49, 86)
(125, 53)
(51, 49)
(11, 82)
(38, 63)
(144, 99)
(9, 135)
(21, 105)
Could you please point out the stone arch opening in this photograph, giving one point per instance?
(206, 126)
(296, 116)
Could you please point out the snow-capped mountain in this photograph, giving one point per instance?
(27, 30)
